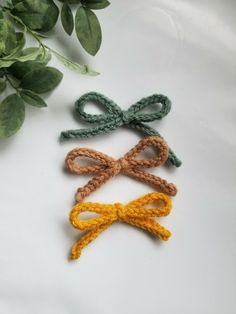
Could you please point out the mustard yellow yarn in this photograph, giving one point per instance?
(135, 213)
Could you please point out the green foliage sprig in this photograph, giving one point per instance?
(25, 69)
(86, 23)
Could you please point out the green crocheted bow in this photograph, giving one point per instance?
(116, 117)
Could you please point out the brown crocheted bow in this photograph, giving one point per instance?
(107, 167)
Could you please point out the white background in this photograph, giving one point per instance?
(186, 50)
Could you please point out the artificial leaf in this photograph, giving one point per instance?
(20, 69)
(28, 50)
(44, 56)
(74, 66)
(88, 30)
(37, 15)
(29, 55)
(5, 63)
(9, 60)
(3, 85)
(96, 4)
(71, 1)
(18, 49)
(12, 115)
(67, 19)
(8, 39)
(41, 80)
(16, 1)
(20, 38)
(32, 98)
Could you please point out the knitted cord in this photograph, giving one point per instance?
(106, 167)
(135, 213)
(115, 117)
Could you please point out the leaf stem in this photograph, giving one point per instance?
(10, 81)
(57, 53)
(83, 69)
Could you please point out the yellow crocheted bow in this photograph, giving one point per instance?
(135, 213)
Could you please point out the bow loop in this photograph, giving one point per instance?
(146, 102)
(160, 201)
(161, 153)
(105, 214)
(112, 110)
(133, 213)
(100, 161)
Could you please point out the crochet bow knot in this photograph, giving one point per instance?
(135, 213)
(126, 118)
(114, 117)
(121, 211)
(121, 165)
(106, 167)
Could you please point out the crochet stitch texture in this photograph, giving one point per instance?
(106, 167)
(135, 213)
(116, 117)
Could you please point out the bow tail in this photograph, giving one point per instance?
(86, 239)
(157, 182)
(90, 132)
(93, 184)
(173, 159)
(151, 226)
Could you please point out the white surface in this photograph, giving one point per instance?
(186, 50)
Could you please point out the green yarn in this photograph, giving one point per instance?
(115, 117)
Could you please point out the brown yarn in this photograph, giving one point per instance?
(108, 167)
